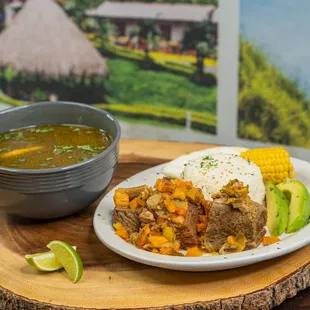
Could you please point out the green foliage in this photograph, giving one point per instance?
(6, 99)
(129, 84)
(114, 50)
(39, 95)
(205, 31)
(88, 89)
(202, 121)
(76, 8)
(9, 74)
(271, 107)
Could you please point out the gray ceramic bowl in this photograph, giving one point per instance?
(57, 192)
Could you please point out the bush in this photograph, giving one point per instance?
(112, 50)
(201, 121)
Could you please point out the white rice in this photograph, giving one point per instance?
(212, 172)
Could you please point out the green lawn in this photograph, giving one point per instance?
(130, 85)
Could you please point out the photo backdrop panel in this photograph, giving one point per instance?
(274, 72)
(155, 70)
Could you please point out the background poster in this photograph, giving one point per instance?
(152, 64)
(274, 72)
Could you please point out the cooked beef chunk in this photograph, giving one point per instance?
(187, 233)
(245, 216)
(146, 216)
(128, 218)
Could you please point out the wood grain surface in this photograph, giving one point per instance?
(113, 282)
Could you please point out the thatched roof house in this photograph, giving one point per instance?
(43, 40)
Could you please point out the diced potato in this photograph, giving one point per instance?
(178, 219)
(234, 244)
(267, 240)
(179, 193)
(167, 251)
(169, 234)
(194, 195)
(194, 252)
(121, 199)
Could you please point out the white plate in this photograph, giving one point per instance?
(105, 232)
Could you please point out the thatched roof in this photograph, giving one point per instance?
(43, 40)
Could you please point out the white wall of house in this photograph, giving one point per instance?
(177, 31)
(8, 12)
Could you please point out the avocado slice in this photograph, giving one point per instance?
(299, 206)
(277, 210)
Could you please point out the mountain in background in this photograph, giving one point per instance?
(272, 108)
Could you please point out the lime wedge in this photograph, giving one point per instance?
(44, 261)
(68, 258)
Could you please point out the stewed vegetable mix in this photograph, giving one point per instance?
(42, 147)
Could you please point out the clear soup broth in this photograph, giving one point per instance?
(42, 147)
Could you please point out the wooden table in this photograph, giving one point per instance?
(107, 275)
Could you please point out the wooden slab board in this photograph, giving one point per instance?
(113, 282)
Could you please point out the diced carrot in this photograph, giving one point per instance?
(267, 240)
(203, 219)
(161, 220)
(157, 241)
(163, 185)
(194, 252)
(141, 240)
(203, 223)
(206, 206)
(201, 227)
(121, 198)
(142, 237)
(170, 205)
(121, 231)
(181, 211)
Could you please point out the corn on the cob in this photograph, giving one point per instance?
(274, 163)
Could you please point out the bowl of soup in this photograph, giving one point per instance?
(56, 158)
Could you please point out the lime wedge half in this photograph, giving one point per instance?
(44, 261)
(68, 258)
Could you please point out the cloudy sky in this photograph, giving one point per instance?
(282, 29)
